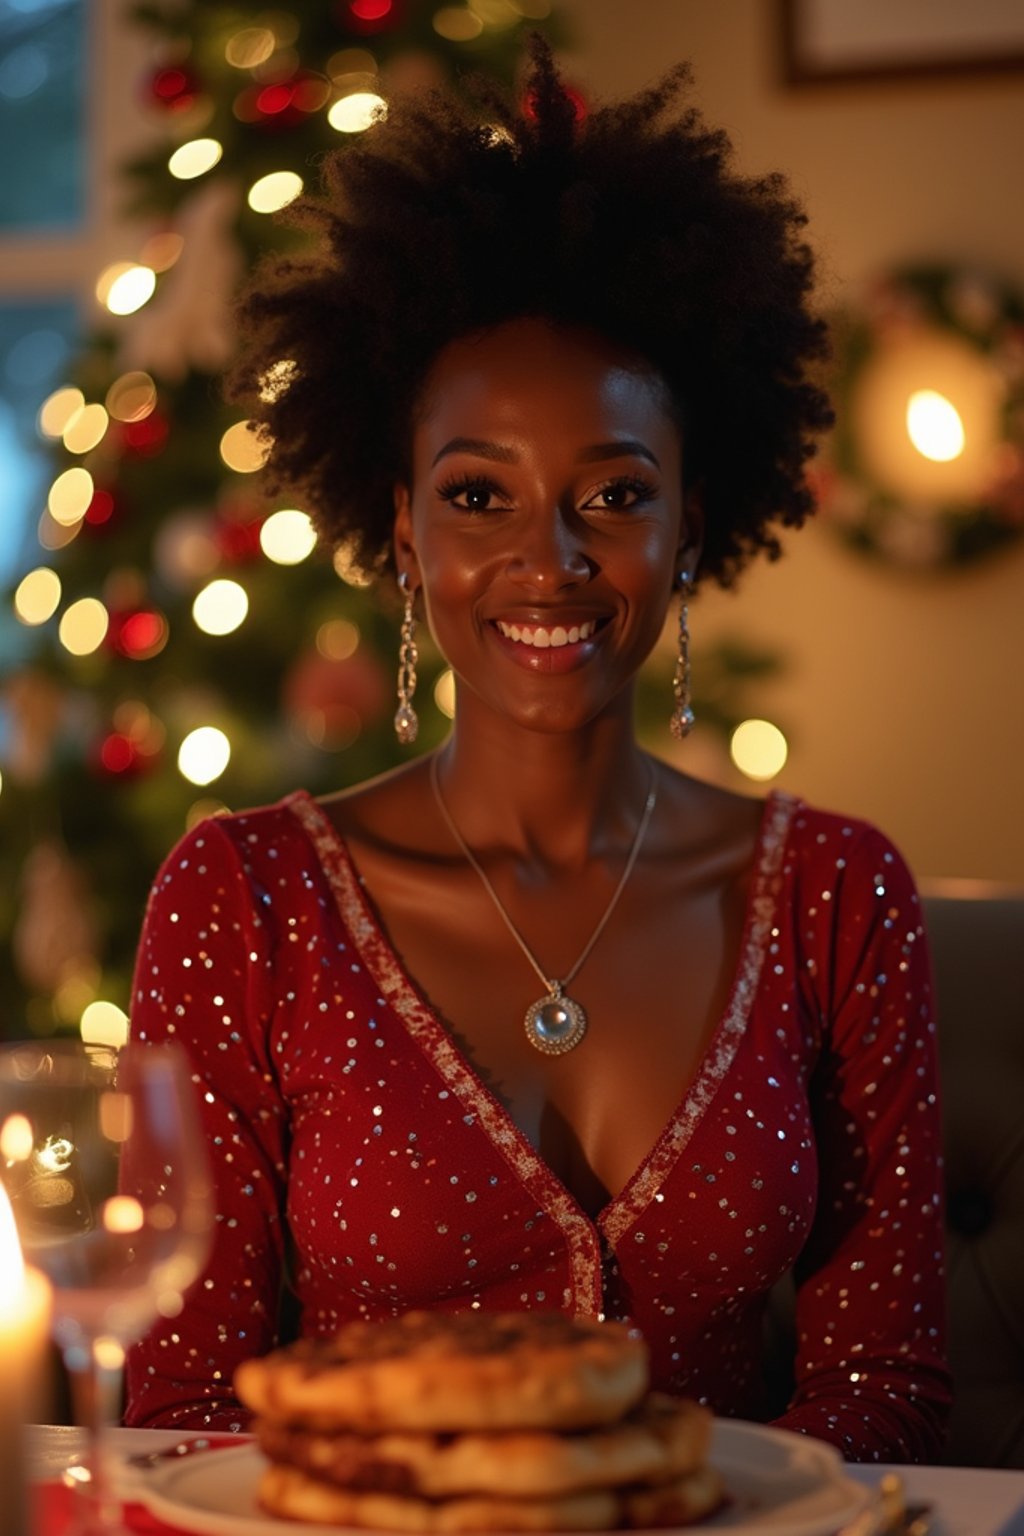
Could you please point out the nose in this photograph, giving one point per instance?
(550, 556)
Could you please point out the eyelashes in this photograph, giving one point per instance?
(621, 493)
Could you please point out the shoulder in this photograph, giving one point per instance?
(844, 852)
(240, 843)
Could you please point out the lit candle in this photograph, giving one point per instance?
(24, 1328)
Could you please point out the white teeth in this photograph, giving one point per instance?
(543, 639)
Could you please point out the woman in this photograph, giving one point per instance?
(538, 1021)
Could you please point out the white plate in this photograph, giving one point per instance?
(778, 1482)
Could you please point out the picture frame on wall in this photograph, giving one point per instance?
(826, 42)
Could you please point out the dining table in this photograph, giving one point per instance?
(966, 1501)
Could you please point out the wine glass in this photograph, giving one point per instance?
(106, 1170)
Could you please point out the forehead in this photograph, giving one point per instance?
(534, 376)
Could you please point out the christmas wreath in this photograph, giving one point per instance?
(926, 464)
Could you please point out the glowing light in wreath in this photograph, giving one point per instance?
(926, 465)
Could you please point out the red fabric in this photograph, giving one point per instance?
(357, 1151)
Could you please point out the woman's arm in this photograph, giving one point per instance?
(871, 1372)
(201, 980)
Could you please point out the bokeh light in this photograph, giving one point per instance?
(220, 607)
(83, 626)
(444, 693)
(250, 47)
(58, 409)
(457, 24)
(242, 450)
(195, 158)
(37, 596)
(162, 250)
(69, 496)
(125, 286)
(348, 568)
(131, 397)
(104, 1023)
(274, 191)
(355, 112)
(337, 639)
(758, 749)
(204, 755)
(288, 537)
(85, 429)
(934, 426)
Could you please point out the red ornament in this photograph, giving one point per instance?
(366, 16)
(174, 88)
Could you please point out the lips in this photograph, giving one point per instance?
(546, 637)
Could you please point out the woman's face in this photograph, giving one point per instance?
(545, 521)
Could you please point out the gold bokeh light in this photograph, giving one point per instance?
(274, 191)
(934, 426)
(242, 450)
(37, 596)
(759, 749)
(58, 409)
(288, 537)
(70, 495)
(195, 158)
(354, 113)
(220, 607)
(83, 626)
(86, 429)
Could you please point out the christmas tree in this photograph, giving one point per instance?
(189, 650)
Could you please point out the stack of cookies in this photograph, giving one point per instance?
(477, 1422)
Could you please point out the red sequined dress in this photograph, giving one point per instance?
(358, 1153)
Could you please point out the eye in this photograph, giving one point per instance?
(471, 493)
(620, 494)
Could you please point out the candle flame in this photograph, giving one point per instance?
(12, 1265)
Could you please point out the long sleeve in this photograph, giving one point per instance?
(200, 980)
(871, 1373)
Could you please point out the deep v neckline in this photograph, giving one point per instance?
(436, 1040)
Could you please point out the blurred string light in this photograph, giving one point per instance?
(274, 191)
(348, 568)
(86, 429)
(70, 495)
(195, 158)
(935, 426)
(58, 409)
(355, 112)
(125, 286)
(103, 1023)
(220, 607)
(288, 537)
(457, 24)
(444, 693)
(352, 67)
(242, 450)
(758, 749)
(83, 626)
(132, 397)
(250, 47)
(37, 596)
(337, 639)
(204, 755)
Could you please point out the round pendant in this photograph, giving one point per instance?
(554, 1024)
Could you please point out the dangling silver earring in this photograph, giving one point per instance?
(406, 720)
(681, 719)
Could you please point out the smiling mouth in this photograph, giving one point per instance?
(542, 638)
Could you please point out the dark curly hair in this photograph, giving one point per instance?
(630, 222)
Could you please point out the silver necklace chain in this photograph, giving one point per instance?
(554, 1037)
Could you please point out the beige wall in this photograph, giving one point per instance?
(902, 695)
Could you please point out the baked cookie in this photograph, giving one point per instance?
(660, 1440)
(448, 1372)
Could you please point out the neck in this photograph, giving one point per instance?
(556, 797)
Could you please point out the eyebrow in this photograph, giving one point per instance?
(499, 454)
